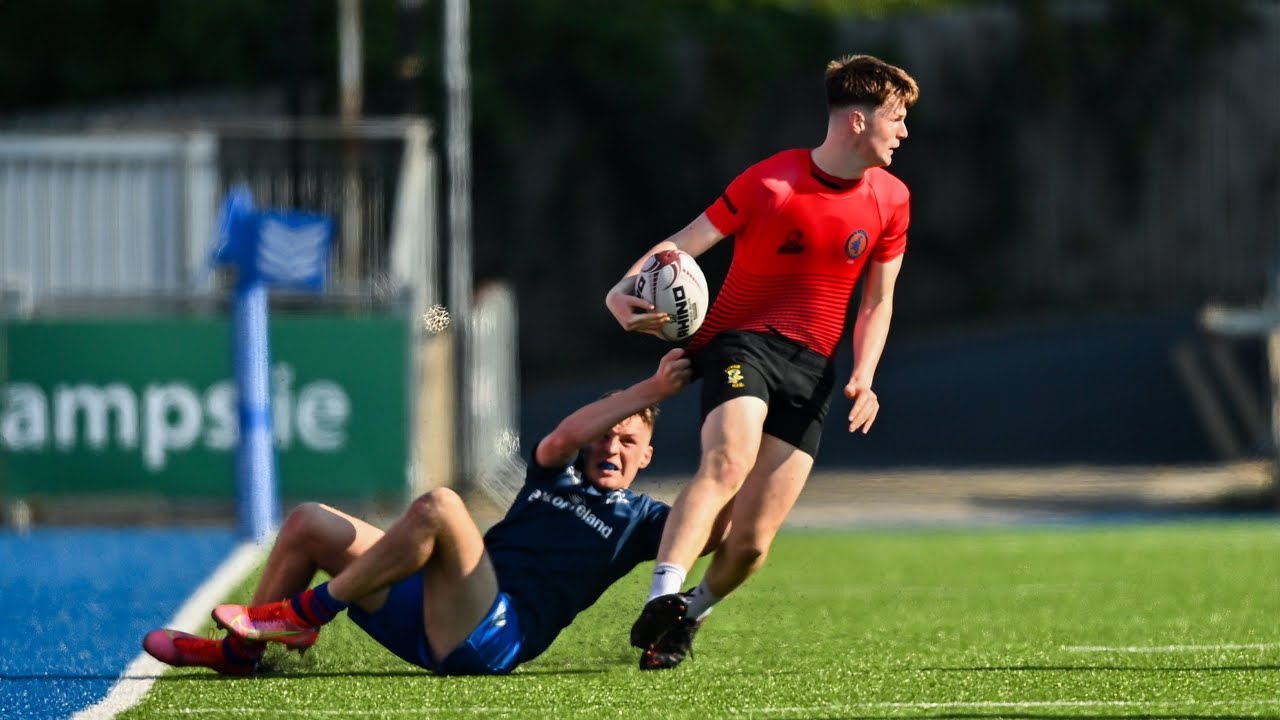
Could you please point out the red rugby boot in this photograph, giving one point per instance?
(180, 649)
(275, 622)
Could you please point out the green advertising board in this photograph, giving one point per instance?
(124, 406)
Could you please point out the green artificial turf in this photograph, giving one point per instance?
(1173, 620)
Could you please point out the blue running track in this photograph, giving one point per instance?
(75, 603)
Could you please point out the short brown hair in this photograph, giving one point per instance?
(865, 79)
(649, 415)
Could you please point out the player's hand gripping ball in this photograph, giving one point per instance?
(672, 281)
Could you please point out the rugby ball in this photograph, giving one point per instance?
(672, 281)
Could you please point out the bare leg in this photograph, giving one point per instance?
(314, 537)
(730, 440)
(438, 538)
(460, 583)
(761, 506)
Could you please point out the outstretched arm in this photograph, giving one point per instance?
(593, 420)
(636, 315)
(870, 331)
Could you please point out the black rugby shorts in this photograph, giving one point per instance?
(794, 381)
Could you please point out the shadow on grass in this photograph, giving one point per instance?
(271, 674)
(302, 674)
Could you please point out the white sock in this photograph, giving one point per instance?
(701, 601)
(667, 579)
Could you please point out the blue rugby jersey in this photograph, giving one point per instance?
(563, 542)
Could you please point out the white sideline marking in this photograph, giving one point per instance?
(137, 679)
(415, 712)
(1169, 648)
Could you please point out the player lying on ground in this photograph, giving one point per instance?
(807, 224)
(435, 592)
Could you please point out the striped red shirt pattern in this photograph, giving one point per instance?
(801, 241)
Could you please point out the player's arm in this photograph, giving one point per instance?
(870, 330)
(636, 315)
(595, 419)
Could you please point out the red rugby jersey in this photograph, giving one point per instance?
(801, 240)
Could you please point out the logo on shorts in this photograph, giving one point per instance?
(856, 244)
(733, 374)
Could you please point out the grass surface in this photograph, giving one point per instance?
(1178, 620)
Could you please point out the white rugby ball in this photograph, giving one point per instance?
(672, 281)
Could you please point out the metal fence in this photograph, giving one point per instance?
(127, 213)
(378, 180)
(104, 215)
(494, 460)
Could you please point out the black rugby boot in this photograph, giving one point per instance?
(672, 648)
(658, 616)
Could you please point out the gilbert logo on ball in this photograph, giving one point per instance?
(672, 281)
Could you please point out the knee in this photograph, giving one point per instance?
(724, 468)
(746, 549)
(434, 508)
(303, 522)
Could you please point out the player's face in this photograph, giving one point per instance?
(613, 460)
(884, 130)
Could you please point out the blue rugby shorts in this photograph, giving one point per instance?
(491, 649)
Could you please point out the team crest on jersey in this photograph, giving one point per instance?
(733, 374)
(856, 244)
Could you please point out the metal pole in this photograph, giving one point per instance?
(299, 64)
(350, 60)
(1273, 376)
(1272, 303)
(409, 68)
(351, 94)
(458, 152)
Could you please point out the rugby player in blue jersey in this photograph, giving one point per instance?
(436, 592)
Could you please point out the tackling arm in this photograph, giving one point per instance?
(595, 419)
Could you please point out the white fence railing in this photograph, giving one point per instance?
(105, 215)
(494, 463)
(128, 213)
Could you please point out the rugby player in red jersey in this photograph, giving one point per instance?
(807, 225)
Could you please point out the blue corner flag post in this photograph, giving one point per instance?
(268, 249)
(257, 495)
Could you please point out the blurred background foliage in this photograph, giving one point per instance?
(601, 127)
